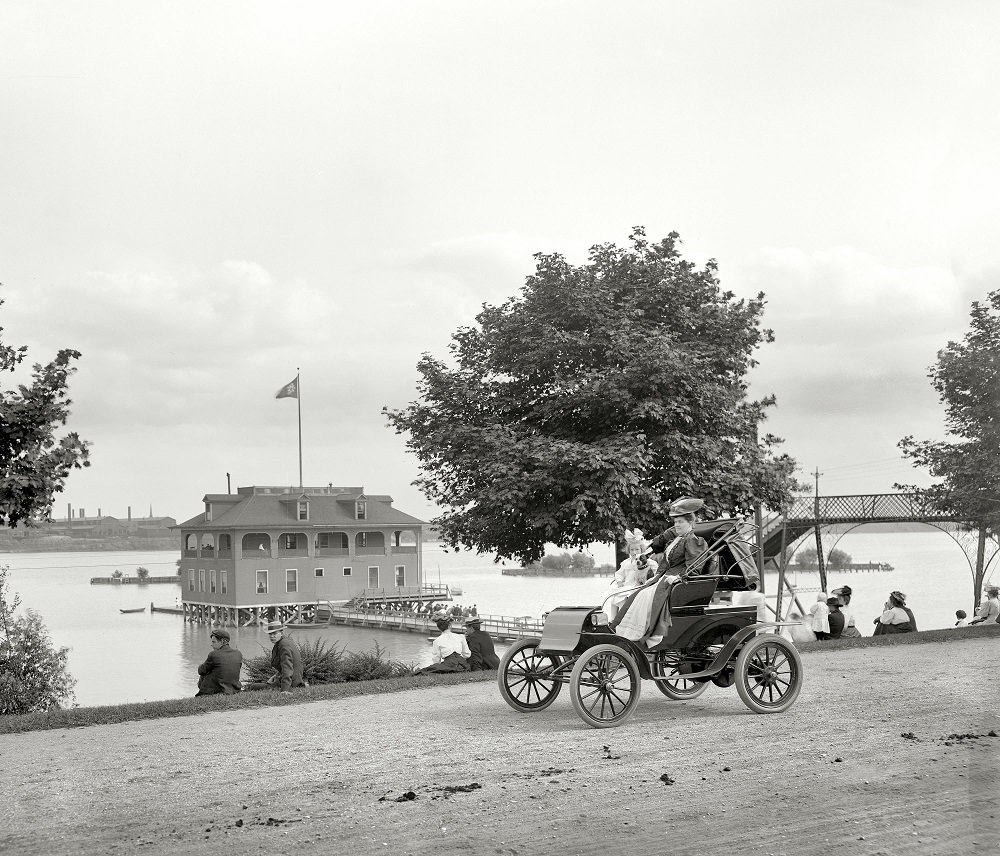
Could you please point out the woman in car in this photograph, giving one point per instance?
(645, 615)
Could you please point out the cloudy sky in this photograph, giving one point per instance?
(202, 197)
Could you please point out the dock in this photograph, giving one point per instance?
(109, 581)
(503, 628)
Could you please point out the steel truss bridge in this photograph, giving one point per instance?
(783, 530)
(808, 512)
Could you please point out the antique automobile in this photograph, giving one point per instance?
(709, 641)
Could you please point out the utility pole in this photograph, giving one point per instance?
(819, 539)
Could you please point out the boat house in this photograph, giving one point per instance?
(285, 552)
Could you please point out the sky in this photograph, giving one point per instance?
(206, 198)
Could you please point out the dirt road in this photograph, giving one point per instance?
(887, 751)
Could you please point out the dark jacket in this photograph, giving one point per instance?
(836, 620)
(220, 673)
(683, 556)
(287, 660)
(484, 656)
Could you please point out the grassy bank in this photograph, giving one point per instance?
(80, 717)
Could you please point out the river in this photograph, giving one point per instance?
(118, 658)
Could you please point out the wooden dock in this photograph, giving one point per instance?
(503, 628)
(109, 581)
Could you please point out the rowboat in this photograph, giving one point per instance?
(140, 609)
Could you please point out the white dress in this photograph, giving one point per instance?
(627, 579)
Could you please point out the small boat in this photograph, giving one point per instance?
(140, 609)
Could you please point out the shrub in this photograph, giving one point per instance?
(142, 573)
(33, 674)
(325, 663)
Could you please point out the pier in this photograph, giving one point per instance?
(114, 581)
(503, 628)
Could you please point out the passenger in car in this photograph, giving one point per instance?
(631, 574)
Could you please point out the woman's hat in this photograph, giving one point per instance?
(846, 591)
(275, 627)
(686, 505)
(991, 590)
(898, 595)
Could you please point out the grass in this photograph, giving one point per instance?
(80, 717)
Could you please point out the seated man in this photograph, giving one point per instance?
(483, 656)
(220, 673)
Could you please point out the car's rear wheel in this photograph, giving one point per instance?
(605, 686)
(525, 677)
(768, 674)
(670, 665)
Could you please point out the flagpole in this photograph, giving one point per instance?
(298, 398)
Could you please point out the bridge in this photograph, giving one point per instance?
(782, 529)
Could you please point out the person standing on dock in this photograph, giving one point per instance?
(220, 673)
(286, 659)
(483, 657)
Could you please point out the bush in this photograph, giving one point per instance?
(323, 663)
(33, 674)
(142, 573)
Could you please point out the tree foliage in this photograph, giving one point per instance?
(836, 558)
(33, 674)
(590, 401)
(967, 468)
(34, 463)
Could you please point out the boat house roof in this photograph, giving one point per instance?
(262, 507)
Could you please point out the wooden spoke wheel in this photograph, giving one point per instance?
(605, 686)
(668, 664)
(768, 674)
(525, 677)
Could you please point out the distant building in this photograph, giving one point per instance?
(282, 550)
(101, 527)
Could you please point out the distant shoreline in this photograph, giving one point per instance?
(61, 544)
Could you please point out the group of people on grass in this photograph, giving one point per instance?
(220, 673)
(471, 651)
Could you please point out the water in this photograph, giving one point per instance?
(144, 657)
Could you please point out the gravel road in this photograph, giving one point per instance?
(887, 751)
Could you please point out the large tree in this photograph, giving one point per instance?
(34, 463)
(590, 401)
(967, 379)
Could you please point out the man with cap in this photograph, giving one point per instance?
(220, 673)
(286, 659)
(483, 656)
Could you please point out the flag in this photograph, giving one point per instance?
(289, 390)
